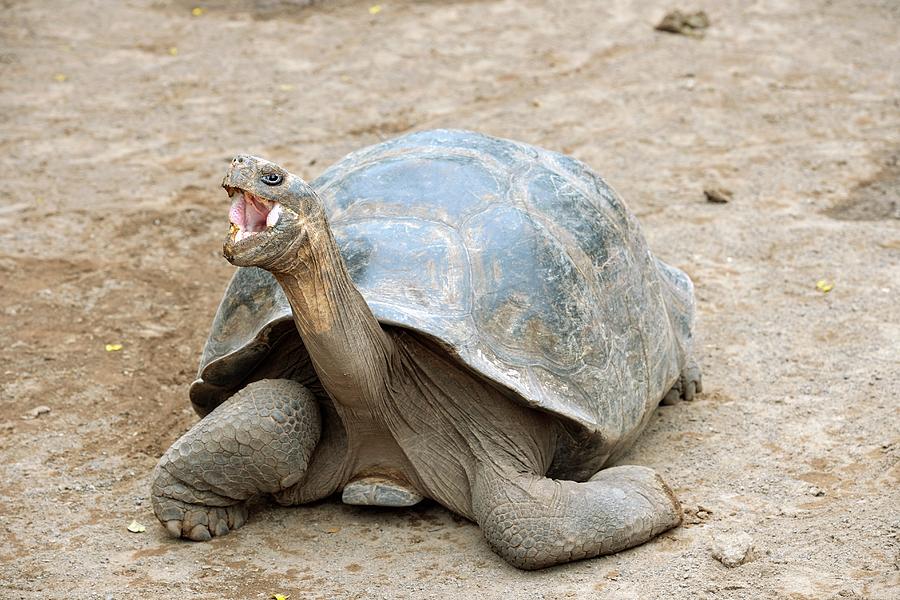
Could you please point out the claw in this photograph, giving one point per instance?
(688, 385)
(174, 528)
(198, 522)
(199, 533)
(672, 396)
(238, 517)
(221, 528)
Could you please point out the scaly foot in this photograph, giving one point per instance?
(258, 441)
(192, 514)
(688, 385)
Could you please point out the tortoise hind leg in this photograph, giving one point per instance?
(258, 441)
(535, 522)
(689, 384)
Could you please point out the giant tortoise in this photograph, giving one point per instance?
(443, 315)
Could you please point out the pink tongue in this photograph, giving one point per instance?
(236, 214)
(255, 215)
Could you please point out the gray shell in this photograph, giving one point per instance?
(521, 262)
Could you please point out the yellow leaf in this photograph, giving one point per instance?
(59, 77)
(173, 51)
(824, 286)
(113, 347)
(279, 596)
(197, 11)
(374, 10)
(285, 87)
(135, 527)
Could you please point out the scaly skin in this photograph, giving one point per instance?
(535, 522)
(258, 441)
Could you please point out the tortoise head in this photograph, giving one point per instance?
(271, 212)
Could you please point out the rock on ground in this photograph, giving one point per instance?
(734, 549)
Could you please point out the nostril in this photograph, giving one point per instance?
(240, 159)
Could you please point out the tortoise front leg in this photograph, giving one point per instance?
(535, 522)
(258, 441)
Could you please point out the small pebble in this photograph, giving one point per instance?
(691, 24)
(36, 412)
(733, 550)
(718, 195)
(815, 490)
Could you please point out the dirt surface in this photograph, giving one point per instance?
(119, 119)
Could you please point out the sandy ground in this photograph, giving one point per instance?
(118, 119)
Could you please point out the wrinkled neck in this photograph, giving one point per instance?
(346, 344)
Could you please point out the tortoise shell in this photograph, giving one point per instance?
(520, 262)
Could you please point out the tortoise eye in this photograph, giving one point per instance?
(272, 179)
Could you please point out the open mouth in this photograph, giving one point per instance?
(251, 215)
